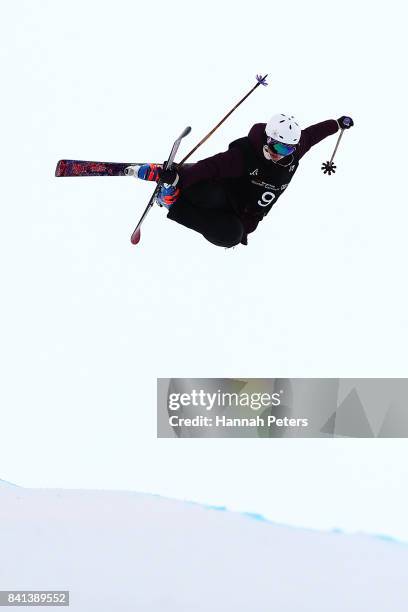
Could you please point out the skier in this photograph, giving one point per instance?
(225, 196)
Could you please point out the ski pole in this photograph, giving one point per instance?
(261, 80)
(328, 167)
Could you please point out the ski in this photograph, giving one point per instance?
(135, 237)
(78, 167)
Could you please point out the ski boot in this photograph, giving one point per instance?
(168, 193)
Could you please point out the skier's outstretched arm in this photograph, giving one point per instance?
(317, 132)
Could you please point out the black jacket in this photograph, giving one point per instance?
(254, 183)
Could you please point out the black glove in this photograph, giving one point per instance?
(170, 176)
(345, 122)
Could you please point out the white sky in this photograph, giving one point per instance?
(89, 322)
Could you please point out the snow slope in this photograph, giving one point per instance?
(4, 483)
(126, 551)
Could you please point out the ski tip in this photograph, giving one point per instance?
(59, 170)
(186, 131)
(135, 237)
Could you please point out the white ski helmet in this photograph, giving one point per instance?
(283, 128)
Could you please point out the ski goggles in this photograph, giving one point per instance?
(280, 147)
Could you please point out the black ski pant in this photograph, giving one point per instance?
(206, 208)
